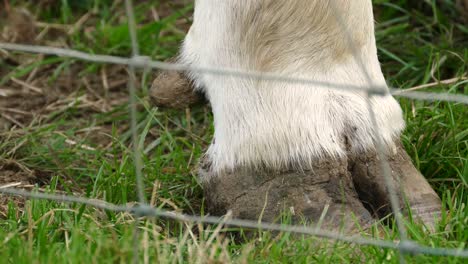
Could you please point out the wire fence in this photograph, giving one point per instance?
(404, 246)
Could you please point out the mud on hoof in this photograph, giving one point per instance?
(323, 195)
(413, 190)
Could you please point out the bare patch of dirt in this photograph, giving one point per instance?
(35, 97)
(14, 175)
(32, 97)
(49, 87)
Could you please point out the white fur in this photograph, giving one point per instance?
(272, 124)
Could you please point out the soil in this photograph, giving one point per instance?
(15, 176)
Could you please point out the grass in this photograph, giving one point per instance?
(81, 147)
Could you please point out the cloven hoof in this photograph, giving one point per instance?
(413, 190)
(347, 194)
(324, 195)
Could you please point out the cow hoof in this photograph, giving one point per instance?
(323, 196)
(413, 190)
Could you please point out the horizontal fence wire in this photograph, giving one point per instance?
(146, 62)
(405, 246)
(148, 211)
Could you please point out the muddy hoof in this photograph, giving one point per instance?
(173, 90)
(323, 195)
(412, 188)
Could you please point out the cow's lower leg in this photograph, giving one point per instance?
(295, 146)
(323, 193)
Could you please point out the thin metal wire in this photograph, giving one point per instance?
(145, 62)
(428, 96)
(132, 27)
(133, 127)
(145, 210)
(387, 177)
(378, 141)
(133, 102)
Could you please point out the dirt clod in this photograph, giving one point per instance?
(13, 175)
(173, 90)
(20, 27)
